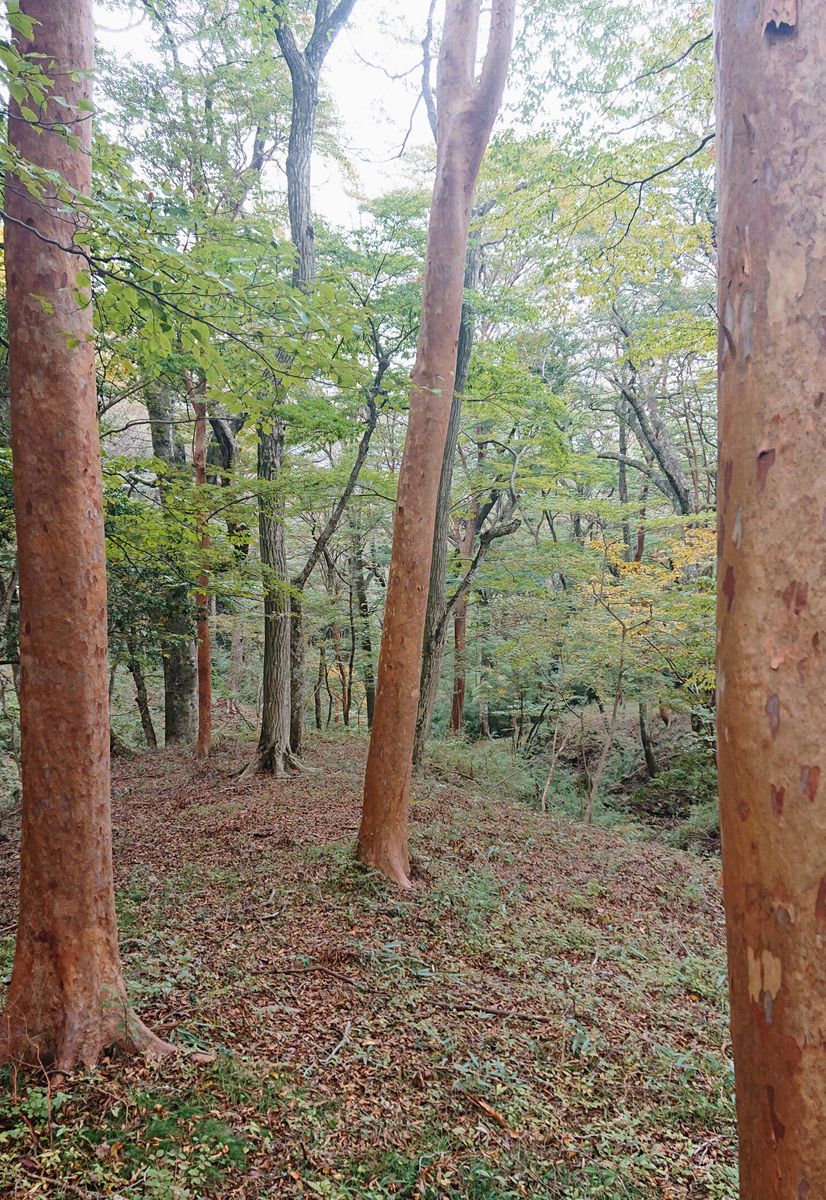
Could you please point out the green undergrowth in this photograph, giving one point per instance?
(543, 1017)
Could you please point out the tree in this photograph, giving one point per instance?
(67, 999)
(203, 743)
(282, 705)
(771, 605)
(466, 112)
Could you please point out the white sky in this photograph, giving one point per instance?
(374, 110)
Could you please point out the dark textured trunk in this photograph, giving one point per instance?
(622, 480)
(273, 752)
(180, 671)
(651, 765)
(365, 638)
(297, 671)
(305, 68)
(236, 656)
(457, 712)
(639, 549)
(203, 743)
(66, 1001)
(322, 671)
(141, 697)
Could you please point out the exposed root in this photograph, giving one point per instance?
(278, 763)
(390, 859)
(77, 1038)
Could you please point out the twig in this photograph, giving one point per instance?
(318, 968)
(345, 1037)
(459, 1006)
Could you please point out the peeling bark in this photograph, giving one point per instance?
(67, 1001)
(771, 609)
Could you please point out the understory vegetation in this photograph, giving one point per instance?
(544, 1017)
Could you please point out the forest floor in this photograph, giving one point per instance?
(544, 1016)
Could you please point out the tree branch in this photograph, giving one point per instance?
(485, 540)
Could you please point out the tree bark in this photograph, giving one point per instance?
(203, 743)
(273, 752)
(457, 712)
(771, 603)
(67, 1001)
(284, 659)
(236, 655)
(365, 637)
(180, 672)
(141, 696)
(651, 764)
(466, 111)
(435, 627)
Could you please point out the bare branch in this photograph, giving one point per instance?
(427, 58)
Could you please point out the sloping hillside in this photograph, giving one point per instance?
(543, 1017)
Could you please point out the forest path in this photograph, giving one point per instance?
(543, 1016)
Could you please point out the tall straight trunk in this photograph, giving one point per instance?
(180, 672)
(365, 637)
(67, 1001)
(435, 626)
(457, 712)
(651, 764)
(622, 476)
(771, 602)
(203, 744)
(236, 655)
(287, 663)
(273, 753)
(322, 672)
(466, 111)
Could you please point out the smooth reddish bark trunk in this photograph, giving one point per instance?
(66, 1001)
(771, 722)
(203, 744)
(466, 113)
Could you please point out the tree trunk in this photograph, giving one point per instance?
(180, 684)
(322, 672)
(180, 672)
(435, 628)
(651, 764)
(305, 68)
(622, 476)
(466, 112)
(771, 603)
(273, 752)
(365, 637)
(141, 697)
(67, 1001)
(457, 713)
(236, 656)
(204, 741)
